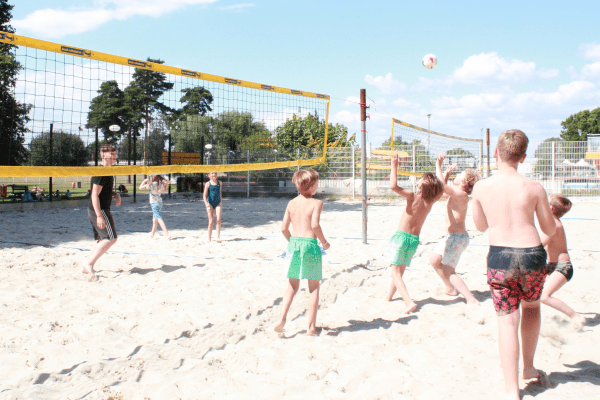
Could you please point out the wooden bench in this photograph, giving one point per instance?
(17, 191)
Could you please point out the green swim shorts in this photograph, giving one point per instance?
(401, 248)
(304, 259)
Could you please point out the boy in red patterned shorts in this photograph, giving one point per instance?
(506, 204)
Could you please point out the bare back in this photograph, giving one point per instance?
(414, 214)
(302, 212)
(508, 202)
(456, 213)
(556, 245)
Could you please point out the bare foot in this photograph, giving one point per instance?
(578, 322)
(312, 332)
(389, 297)
(539, 376)
(151, 235)
(473, 302)
(169, 237)
(87, 269)
(279, 327)
(450, 292)
(410, 307)
(218, 240)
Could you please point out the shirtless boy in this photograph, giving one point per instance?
(559, 265)
(303, 252)
(99, 214)
(447, 253)
(505, 204)
(403, 244)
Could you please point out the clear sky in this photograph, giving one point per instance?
(524, 64)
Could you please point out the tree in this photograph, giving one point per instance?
(107, 109)
(578, 126)
(190, 133)
(155, 147)
(232, 128)
(196, 101)
(309, 132)
(387, 144)
(14, 116)
(143, 94)
(68, 150)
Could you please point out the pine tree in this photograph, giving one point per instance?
(13, 115)
(107, 109)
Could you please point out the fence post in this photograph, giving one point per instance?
(487, 140)
(353, 173)
(51, 161)
(363, 160)
(134, 163)
(169, 164)
(481, 156)
(96, 149)
(553, 166)
(414, 153)
(248, 175)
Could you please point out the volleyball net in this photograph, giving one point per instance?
(161, 119)
(418, 149)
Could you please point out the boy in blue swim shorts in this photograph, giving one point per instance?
(446, 254)
(303, 253)
(403, 244)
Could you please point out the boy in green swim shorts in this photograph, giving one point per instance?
(404, 243)
(303, 253)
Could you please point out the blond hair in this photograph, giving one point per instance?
(470, 179)
(305, 179)
(430, 186)
(512, 145)
(107, 148)
(560, 204)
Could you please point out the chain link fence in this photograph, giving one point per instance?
(571, 168)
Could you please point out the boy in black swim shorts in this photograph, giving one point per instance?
(505, 205)
(559, 267)
(99, 213)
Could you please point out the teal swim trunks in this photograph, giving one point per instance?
(304, 259)
(401, 248)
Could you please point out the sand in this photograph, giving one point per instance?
(183, 319)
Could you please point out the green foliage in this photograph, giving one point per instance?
(155, 147)
(108, 109)
(310, 132)
(196, 101)
(386, 145)
(124, 145)
(13, 115)
(578, 126)
(228, 131)
(67, 150)
(144, 91)
(232, 127)
(190, 133)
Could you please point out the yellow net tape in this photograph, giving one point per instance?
(142, 169)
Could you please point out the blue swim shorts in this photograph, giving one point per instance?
(156, 207)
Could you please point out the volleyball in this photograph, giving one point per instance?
(429, 61)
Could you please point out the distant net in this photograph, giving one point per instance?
(79, 99)
(418, 149)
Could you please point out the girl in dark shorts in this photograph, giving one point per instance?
(559, 268)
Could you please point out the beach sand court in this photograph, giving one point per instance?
(185, 319)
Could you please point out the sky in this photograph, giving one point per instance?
(501, 65)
